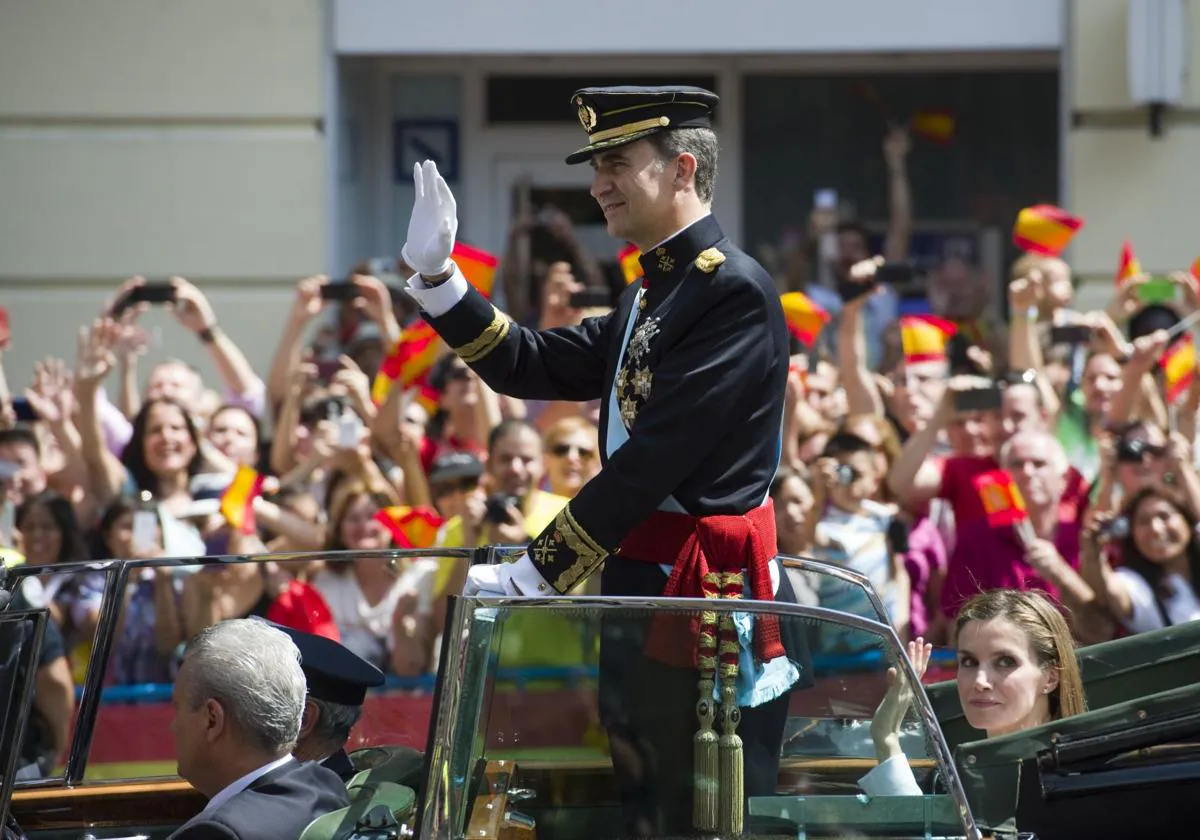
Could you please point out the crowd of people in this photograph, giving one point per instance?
(881, 463)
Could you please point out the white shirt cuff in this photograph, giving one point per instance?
(892, 777)
(442, 298)
(525, 576)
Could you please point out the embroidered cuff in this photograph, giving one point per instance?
(439, 299)
(891, 777)
(487, 341)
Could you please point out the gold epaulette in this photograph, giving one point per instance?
(488, 340)
(709, 259)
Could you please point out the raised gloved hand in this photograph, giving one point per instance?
(433, 225)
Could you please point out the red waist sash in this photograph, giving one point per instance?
(697, 547)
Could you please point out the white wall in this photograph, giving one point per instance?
(697, 26)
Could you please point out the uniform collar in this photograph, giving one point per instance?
(671, 258)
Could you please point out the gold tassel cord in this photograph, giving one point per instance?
(705, 741)
(731, 758)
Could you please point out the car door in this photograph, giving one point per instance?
(20, 640)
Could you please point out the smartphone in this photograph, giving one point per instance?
(956, 356)
(341, 291)
(1071, 334)
(590, 298)
(978, 399)
(24, 411)
(825, 199)
(349, 430)
(895, 273)
(158, 292)
(145, 531)
(1156, 290)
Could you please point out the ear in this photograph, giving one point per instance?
(1051, 680)
(309, 719)
(214, 720)
(685, 170)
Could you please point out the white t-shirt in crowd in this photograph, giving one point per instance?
(1181, 604)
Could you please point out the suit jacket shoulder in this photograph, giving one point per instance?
(277, 806)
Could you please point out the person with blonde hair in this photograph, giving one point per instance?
(1016, 670)
(571, 452)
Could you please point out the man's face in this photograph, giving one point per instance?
(29, 478)
(918, 389)
(956, 291)
(632, 185)
(1101, 382)
(516, 462)
(1032, 466)
(852, 249)
(1020, 410)
(189, 726)
(173, 381)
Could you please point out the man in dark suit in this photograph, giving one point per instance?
(691, 369)
(338, 679)
(238, 701)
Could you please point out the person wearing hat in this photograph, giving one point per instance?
(338, 680)
(691, 368)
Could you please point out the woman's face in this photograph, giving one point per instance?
(868, 431)
(168, 446)
(42, 537)
(1101, 382)
(119, 538)
(233, 433)
(793, 507)
(1000, 683)
(1160, 532)
(359, 530)
(571, 461)
(1141, 460)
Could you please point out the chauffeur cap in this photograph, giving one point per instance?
(614, 116)
(333, 672)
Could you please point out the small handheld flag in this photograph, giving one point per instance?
(805, 319)
(1178, 364)
(477, 265)
(414, 354)
(934, 125)
(1001, 498)
(411, 527)
(923, 337)
(1045, 229)
(1128, 267)
(237, 502)
(631, 267)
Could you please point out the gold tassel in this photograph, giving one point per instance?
(732, 783)
(704, 804)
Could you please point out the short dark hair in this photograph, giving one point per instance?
(855, 227)
(845, 443)
(701, 143)
(21, 434)
(505, 429)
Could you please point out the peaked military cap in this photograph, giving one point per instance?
(614, 116)
(333, 672)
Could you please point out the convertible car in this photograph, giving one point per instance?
(506, 742)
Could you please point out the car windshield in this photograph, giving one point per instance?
(592, 751)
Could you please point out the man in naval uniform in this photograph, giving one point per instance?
(691, 366)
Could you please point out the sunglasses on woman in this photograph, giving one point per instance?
(563, 450)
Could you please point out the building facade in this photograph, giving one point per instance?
(247, 143)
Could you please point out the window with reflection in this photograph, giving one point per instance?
(581, 753)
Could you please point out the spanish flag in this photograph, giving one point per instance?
(1196, 268)
(923, 337)
(805, 319)
(426, 396)
(237, 502)
(1179, 367)
(1128, 267)
(1045, 229)
(935, 125)
(478, 266)
(629, 257)
(1001, 498)
(414, 354)
(411, 527)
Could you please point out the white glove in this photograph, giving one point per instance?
(433, 224)
(500, 579)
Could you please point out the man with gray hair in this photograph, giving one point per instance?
(238, 702)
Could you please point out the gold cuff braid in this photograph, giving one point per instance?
(588, 553)
(488, 340)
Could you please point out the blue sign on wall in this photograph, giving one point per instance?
(414, 141)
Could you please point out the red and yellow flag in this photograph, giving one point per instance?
(935, 125)
(478, 266)
(237, 502)
(411, 527)
(1128, 266)
(426, 396)
(1001, 498)
(805, 319)
(1045, 229)
(923, 337)
(414, 354)
(1179, 367)
(629, 257)
(1196, 268)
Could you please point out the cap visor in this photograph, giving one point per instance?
(587, 151)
